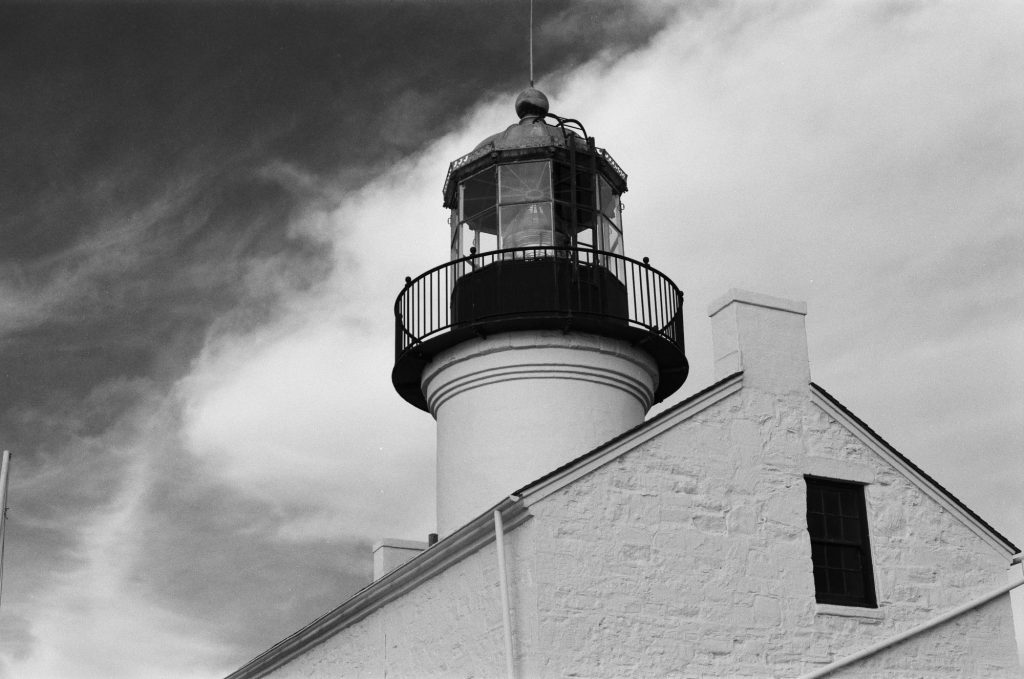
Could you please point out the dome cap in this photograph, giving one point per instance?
(531, 102)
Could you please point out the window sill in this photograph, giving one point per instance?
(849, 611)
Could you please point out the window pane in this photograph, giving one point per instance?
(453, 223)
(851, 558)
(833, 527)
(830, 501)
(609, 201)
(851, 530)
(562, 182)
(485, 222)
(479, 192)
(584, 196)
(849, 503)
(585, 238)
(486, 242)
(525, 182)
(528, 226)
(854, 584)
(612, 237)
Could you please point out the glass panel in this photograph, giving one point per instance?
(833, 527)
(585, 188)
(584, 185)
(453, 224)
(849, 502)
(525, 182)
(486, 241)
(612, 237)
(851, 529)
(585, 238)
(563, 183)
(609, 201)
(851, 558)
(486, 221)
(563, 232)
(830, 498)
(466, 240)
(528, 226)
(855, 584)
(479, 193)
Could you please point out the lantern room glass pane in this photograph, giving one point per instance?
(484, 222)
(456, 246)
(525, 182)
(563, 183)
(609, 201)
(528, 225)
(479, 193)
(612, 236)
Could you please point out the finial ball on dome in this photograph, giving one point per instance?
(531, 102)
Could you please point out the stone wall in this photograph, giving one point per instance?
(690, 557)
(450, 626)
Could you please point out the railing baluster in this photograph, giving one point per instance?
(424, 307)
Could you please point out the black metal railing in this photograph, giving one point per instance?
(516, 285)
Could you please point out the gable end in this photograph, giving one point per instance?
(917, 476)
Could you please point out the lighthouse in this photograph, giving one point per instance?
(538, 339)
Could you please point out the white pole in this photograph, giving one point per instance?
(5, 468)
(506, 618)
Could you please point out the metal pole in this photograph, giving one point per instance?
(5, 468)
(906, 634)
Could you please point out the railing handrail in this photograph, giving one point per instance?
(410, 282)
(650, 301)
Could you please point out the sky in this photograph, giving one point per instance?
(207, 209)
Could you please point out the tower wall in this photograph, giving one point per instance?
(513, 407)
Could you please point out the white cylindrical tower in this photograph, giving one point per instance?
(539, 340)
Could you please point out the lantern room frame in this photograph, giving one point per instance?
(542, 255)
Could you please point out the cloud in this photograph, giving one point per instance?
(301, 411)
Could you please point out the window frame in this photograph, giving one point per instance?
(869, 598)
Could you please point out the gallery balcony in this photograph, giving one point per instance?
(538, 288)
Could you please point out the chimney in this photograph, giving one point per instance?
(764, 337)
(389, 554)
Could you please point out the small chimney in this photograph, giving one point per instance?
(763, 336)
(390, 553)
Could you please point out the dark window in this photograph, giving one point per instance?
(838, 524)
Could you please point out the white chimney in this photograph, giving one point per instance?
(389, 554)
(764, 337)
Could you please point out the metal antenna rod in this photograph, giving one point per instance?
(5, 468)
(531, 43)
